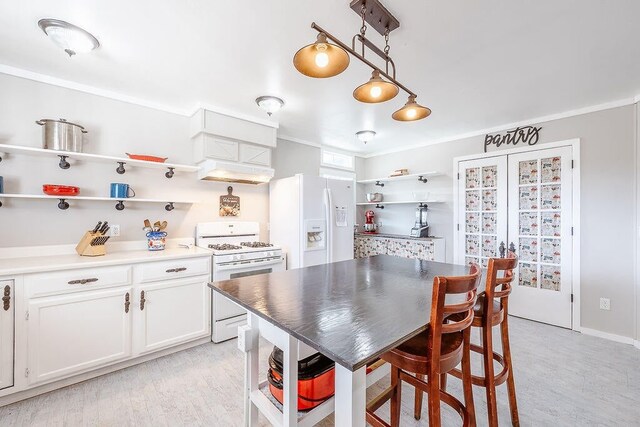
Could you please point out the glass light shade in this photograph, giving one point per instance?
(366, 135)
(270, 104)
(375, 90)
(411, 111)
(69, 37)
(321, 59)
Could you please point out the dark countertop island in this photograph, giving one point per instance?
(351, 311)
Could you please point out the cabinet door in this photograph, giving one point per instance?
(255, 155)
(7, 327)
(72, 333)
(218, 148)
(482, 209)
(172, 312)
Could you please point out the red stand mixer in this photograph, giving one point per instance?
(370, 227)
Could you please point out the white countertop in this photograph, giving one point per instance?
(38, 264)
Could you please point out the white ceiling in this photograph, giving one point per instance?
(476, 64)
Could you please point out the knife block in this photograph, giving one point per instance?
(84, 247)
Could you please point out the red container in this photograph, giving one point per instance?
(316, 379)
(60, 190)
(147, 158)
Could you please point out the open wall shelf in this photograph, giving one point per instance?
(422, 177)
(121, 162)
(63, 202)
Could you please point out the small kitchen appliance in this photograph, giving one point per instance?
(237, 252)
(421, 227)
(369, 225)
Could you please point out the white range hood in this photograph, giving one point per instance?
(217, 170)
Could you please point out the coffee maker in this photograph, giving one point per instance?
(421, 227)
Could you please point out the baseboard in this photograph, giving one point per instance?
(608, 336)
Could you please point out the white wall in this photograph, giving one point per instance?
(607, 205)
(114, 128)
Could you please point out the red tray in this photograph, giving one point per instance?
(60, 190)
(147, 158)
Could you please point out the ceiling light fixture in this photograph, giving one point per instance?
(375, 90)
(366, 135)
(323, 59)
(69, 37)
(270, 104)
(411, 111)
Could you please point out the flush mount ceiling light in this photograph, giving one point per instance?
(411, 111)
(69, 37)
(323, 59)
(375, 90)
(366, 135)
(270, 104)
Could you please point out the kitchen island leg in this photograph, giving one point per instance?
(351, 397)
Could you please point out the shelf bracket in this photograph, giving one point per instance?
(422, 179)
(0, 203)
(121, 170)
(169, 207)
(379, 184)
(63, 162)
(378, 206)
(63, 205)
(170, 173)
(423, 205)
(2, 155)
(120, 205)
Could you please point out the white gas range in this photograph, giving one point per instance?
(237, 252)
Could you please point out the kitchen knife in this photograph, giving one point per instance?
(105, 231)
(104, 227)
(97, 227)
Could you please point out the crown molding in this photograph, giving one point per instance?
(536, 120)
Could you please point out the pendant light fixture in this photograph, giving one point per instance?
(67, 36)
(366, 135)
(270, 104)
(411, 111)
(375, 90)
(321, 59)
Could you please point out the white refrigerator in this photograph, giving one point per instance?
(312, 219)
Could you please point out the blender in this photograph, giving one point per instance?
(421, 227)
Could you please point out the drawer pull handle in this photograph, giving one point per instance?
(176, 270)
(6, 299)
(127, 302)
(142, 300)
(82, 281)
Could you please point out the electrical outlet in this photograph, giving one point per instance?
(115, 230)
(605, 304)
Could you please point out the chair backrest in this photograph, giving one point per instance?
(449, 318)
(499, 273)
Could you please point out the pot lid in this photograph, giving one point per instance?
(58, 121)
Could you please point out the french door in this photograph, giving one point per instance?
(535, 215)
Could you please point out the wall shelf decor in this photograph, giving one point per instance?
(380, 205)
(63, 202)
(422, 177)
(64, 156)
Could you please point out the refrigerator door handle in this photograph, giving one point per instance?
(328, 203)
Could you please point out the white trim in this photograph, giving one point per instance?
(535, 120)
(299, 141)
(575, 145)
(607, 336)
(68, 84)
(318, 145)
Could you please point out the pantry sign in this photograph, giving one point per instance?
(525, 135)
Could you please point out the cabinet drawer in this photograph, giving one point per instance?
(43, 284)
(175, 269)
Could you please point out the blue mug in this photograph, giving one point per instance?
(121, 191)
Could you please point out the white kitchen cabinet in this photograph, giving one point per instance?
(171, 312)
(73, 333)
(7, 329)
(234, 128)
(210, 147)
(255, 155)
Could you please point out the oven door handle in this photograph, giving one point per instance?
(239, 264)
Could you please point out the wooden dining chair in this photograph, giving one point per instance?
(424, 359)
(492, 309)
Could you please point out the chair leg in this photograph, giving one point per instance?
(396, 396)
(434, 400)
(490, 385)
(511, 385)
(467, 385)
(443, 382)
(417, 408)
